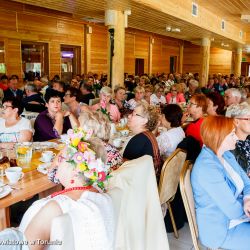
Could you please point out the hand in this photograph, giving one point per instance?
(59, 115)
(247, 207)
(184, 117)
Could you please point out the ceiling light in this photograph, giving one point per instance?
(168, 28)
(171, 29)
(176, 30)
(224, 44)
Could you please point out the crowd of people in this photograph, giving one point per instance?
(163, 111)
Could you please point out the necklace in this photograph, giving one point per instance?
(66, 190)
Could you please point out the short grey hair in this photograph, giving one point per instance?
(194, 83)
(106, 90)
(235, 92)
(238, 110)
(31, 87)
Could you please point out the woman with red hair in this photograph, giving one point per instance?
(221, 188)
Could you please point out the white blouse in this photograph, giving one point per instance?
(169, 140)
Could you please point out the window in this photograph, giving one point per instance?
(34, 60)
(70, 62)
(2, 61)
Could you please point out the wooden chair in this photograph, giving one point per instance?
(169, 180)
(94, 101)
(188, 200)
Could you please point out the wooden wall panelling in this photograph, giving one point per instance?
(54, 59)
(99, 49)
(129, 64)
(157, 56)
(13, 57)
(191, 58)
(142, 49)
(220, 61)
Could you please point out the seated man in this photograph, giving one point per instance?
(51, 123)
(12, 90)
(87, 94)
(33, 100)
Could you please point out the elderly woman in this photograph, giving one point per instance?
(196, 109)
(13, 127)
(215, 104)
(221, 188)
(170, 138)
(158, 97)
(142, 122)
(232, 96)
(104, 106)
(241, 115)
(120, 100)
(100, 125)
(149, 89)
(90, 212)
(139, 95)
(174, 96)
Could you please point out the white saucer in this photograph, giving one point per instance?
(42, 160)
(43, 168)
(5, 191)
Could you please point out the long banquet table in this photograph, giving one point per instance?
(31, 184)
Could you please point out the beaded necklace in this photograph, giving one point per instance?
(66, 190)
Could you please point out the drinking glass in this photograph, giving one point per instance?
(23, 153)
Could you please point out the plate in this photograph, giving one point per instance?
(43, 168)
(6, 190)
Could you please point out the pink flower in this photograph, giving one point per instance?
(101, 176)
(78, 157)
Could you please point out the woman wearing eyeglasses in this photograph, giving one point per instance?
(174, 96)
(241, 115)
(142, 122)
(13, 127)
(158, 97)
(196, 109)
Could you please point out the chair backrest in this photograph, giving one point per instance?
(188, 200)
(94, 101)
(170, 175)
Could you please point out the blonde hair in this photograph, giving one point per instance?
(106, 90)
(150, 113)
(97, 122)
(139, 89)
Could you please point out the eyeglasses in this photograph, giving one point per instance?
(191, 103)
(174, 90)
(134, 114)
(245, 119)
(5, 107)
(67, 94)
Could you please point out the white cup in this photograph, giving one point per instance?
(47, 156)
(117, 142)
(14, 174)
(124, 132)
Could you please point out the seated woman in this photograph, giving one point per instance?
(53, 122)
(72, 100)
(120, 100)
(215, 104)
(221, 188)
(174, 96)
(170, 138)
(90, 211)
(105, 106)
(149, 89)
(139, 95)
(196, 109)
(100, 126)
(13, 127)
(241, 114)
(142, 122)
(158, 97)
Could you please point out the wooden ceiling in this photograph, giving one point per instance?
(146, 18)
